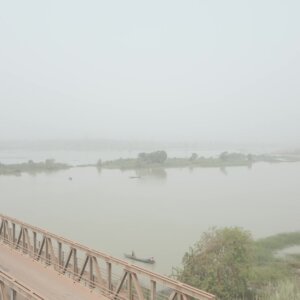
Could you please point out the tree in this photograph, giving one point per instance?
(223, 155)
(49, 161)
(194, 157)
(220, 263)
(142, 156)
(233, 156)
(158, 157)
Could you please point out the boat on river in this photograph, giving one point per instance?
(144, 260)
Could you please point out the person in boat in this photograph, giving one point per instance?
(132, 253)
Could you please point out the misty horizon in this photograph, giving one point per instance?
(95, 144)
(166, 71)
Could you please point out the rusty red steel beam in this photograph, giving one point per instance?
(8, 282)
(173, 284)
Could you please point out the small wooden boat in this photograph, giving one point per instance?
(144, 260)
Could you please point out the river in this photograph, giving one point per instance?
(160, 214)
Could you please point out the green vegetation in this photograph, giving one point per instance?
(156, 157)
(49, 165)
(269, 266)
(151, 160)
(220, 263)
(160, 159)
(279, 241)
(230, 264)
(283, 290)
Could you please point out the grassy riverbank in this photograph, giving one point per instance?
(151, 160)
(273, 264)
(276, 274)
(31, 167)
(160, 159)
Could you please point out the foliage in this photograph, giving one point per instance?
(121, 163)
(49, 165)
(283, 290)
(220, 262)
(279, 241)
(228, 263)
(194, 157)
(225, 156)
(158, 157)
(269, 267)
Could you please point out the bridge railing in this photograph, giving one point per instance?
(110, 276)
(11, 288)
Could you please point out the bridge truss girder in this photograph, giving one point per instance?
(94, 268)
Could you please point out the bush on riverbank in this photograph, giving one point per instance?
(230, 264)
(220, 263)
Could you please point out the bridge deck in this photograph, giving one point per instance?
(45, 281)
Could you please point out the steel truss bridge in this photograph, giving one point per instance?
(37, 264)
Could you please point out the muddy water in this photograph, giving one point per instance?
(159, 214)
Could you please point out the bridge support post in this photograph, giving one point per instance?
(23, 241)
(75, 268)
(5, 233)
(13, 294)
(153, 290)
(60, 259)
(129, 286)
(91, 277)
(3, 291)
(34, 245)
(27, 241)
(47, 251)
(13, 234)
(109, 282)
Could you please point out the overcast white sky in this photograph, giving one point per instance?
(175, 70)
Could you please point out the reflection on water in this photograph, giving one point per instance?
(151, 173)
(223, 170)
(106, 210)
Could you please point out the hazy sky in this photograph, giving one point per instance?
(177, 70)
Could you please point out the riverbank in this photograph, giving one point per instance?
(152, 160)
(32, 167)
(160, 159)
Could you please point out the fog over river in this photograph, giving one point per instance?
(161, 213)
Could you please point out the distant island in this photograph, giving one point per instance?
(160, 159)
(153, 160)
(31, 167)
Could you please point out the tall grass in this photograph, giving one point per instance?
(285, 290)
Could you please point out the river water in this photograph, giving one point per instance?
(160, 214)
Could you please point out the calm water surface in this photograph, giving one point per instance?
(162, 213)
